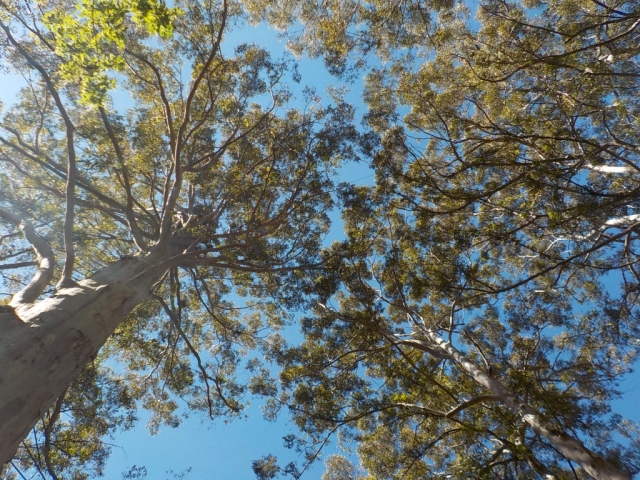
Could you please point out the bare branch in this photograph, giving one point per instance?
(10, 266)
(427, 411)
(71, 158)
(597, 246)
(203, 372)
(47, 434)
(53, 167)
(45, 257)
(472, 401)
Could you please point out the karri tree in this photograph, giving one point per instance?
(476, 321)
(486, 304)
(210, 184)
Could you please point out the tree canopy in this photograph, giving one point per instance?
(478, 318)
(211, 180)
(489, 281)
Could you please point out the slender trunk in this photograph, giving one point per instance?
(43, 346)
(572, 448)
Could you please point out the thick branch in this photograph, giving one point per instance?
(45, 259)
(70, 253)
(608, 168)
(420, 345)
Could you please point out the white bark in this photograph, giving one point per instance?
(43, 275)
(626, 220)
(44, 345)
(572, 448)
(608, 168)
(616, 222)
(45, 260)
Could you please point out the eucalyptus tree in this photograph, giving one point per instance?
(146, 219)
(486, 306)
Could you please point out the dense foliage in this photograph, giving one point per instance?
(210, 163)
(502, 226)
(483, 308)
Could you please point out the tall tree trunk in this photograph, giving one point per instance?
(43, 346)
(572, 448)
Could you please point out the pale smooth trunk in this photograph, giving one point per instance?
(43, 346)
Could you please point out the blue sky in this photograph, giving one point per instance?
(215, 451)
